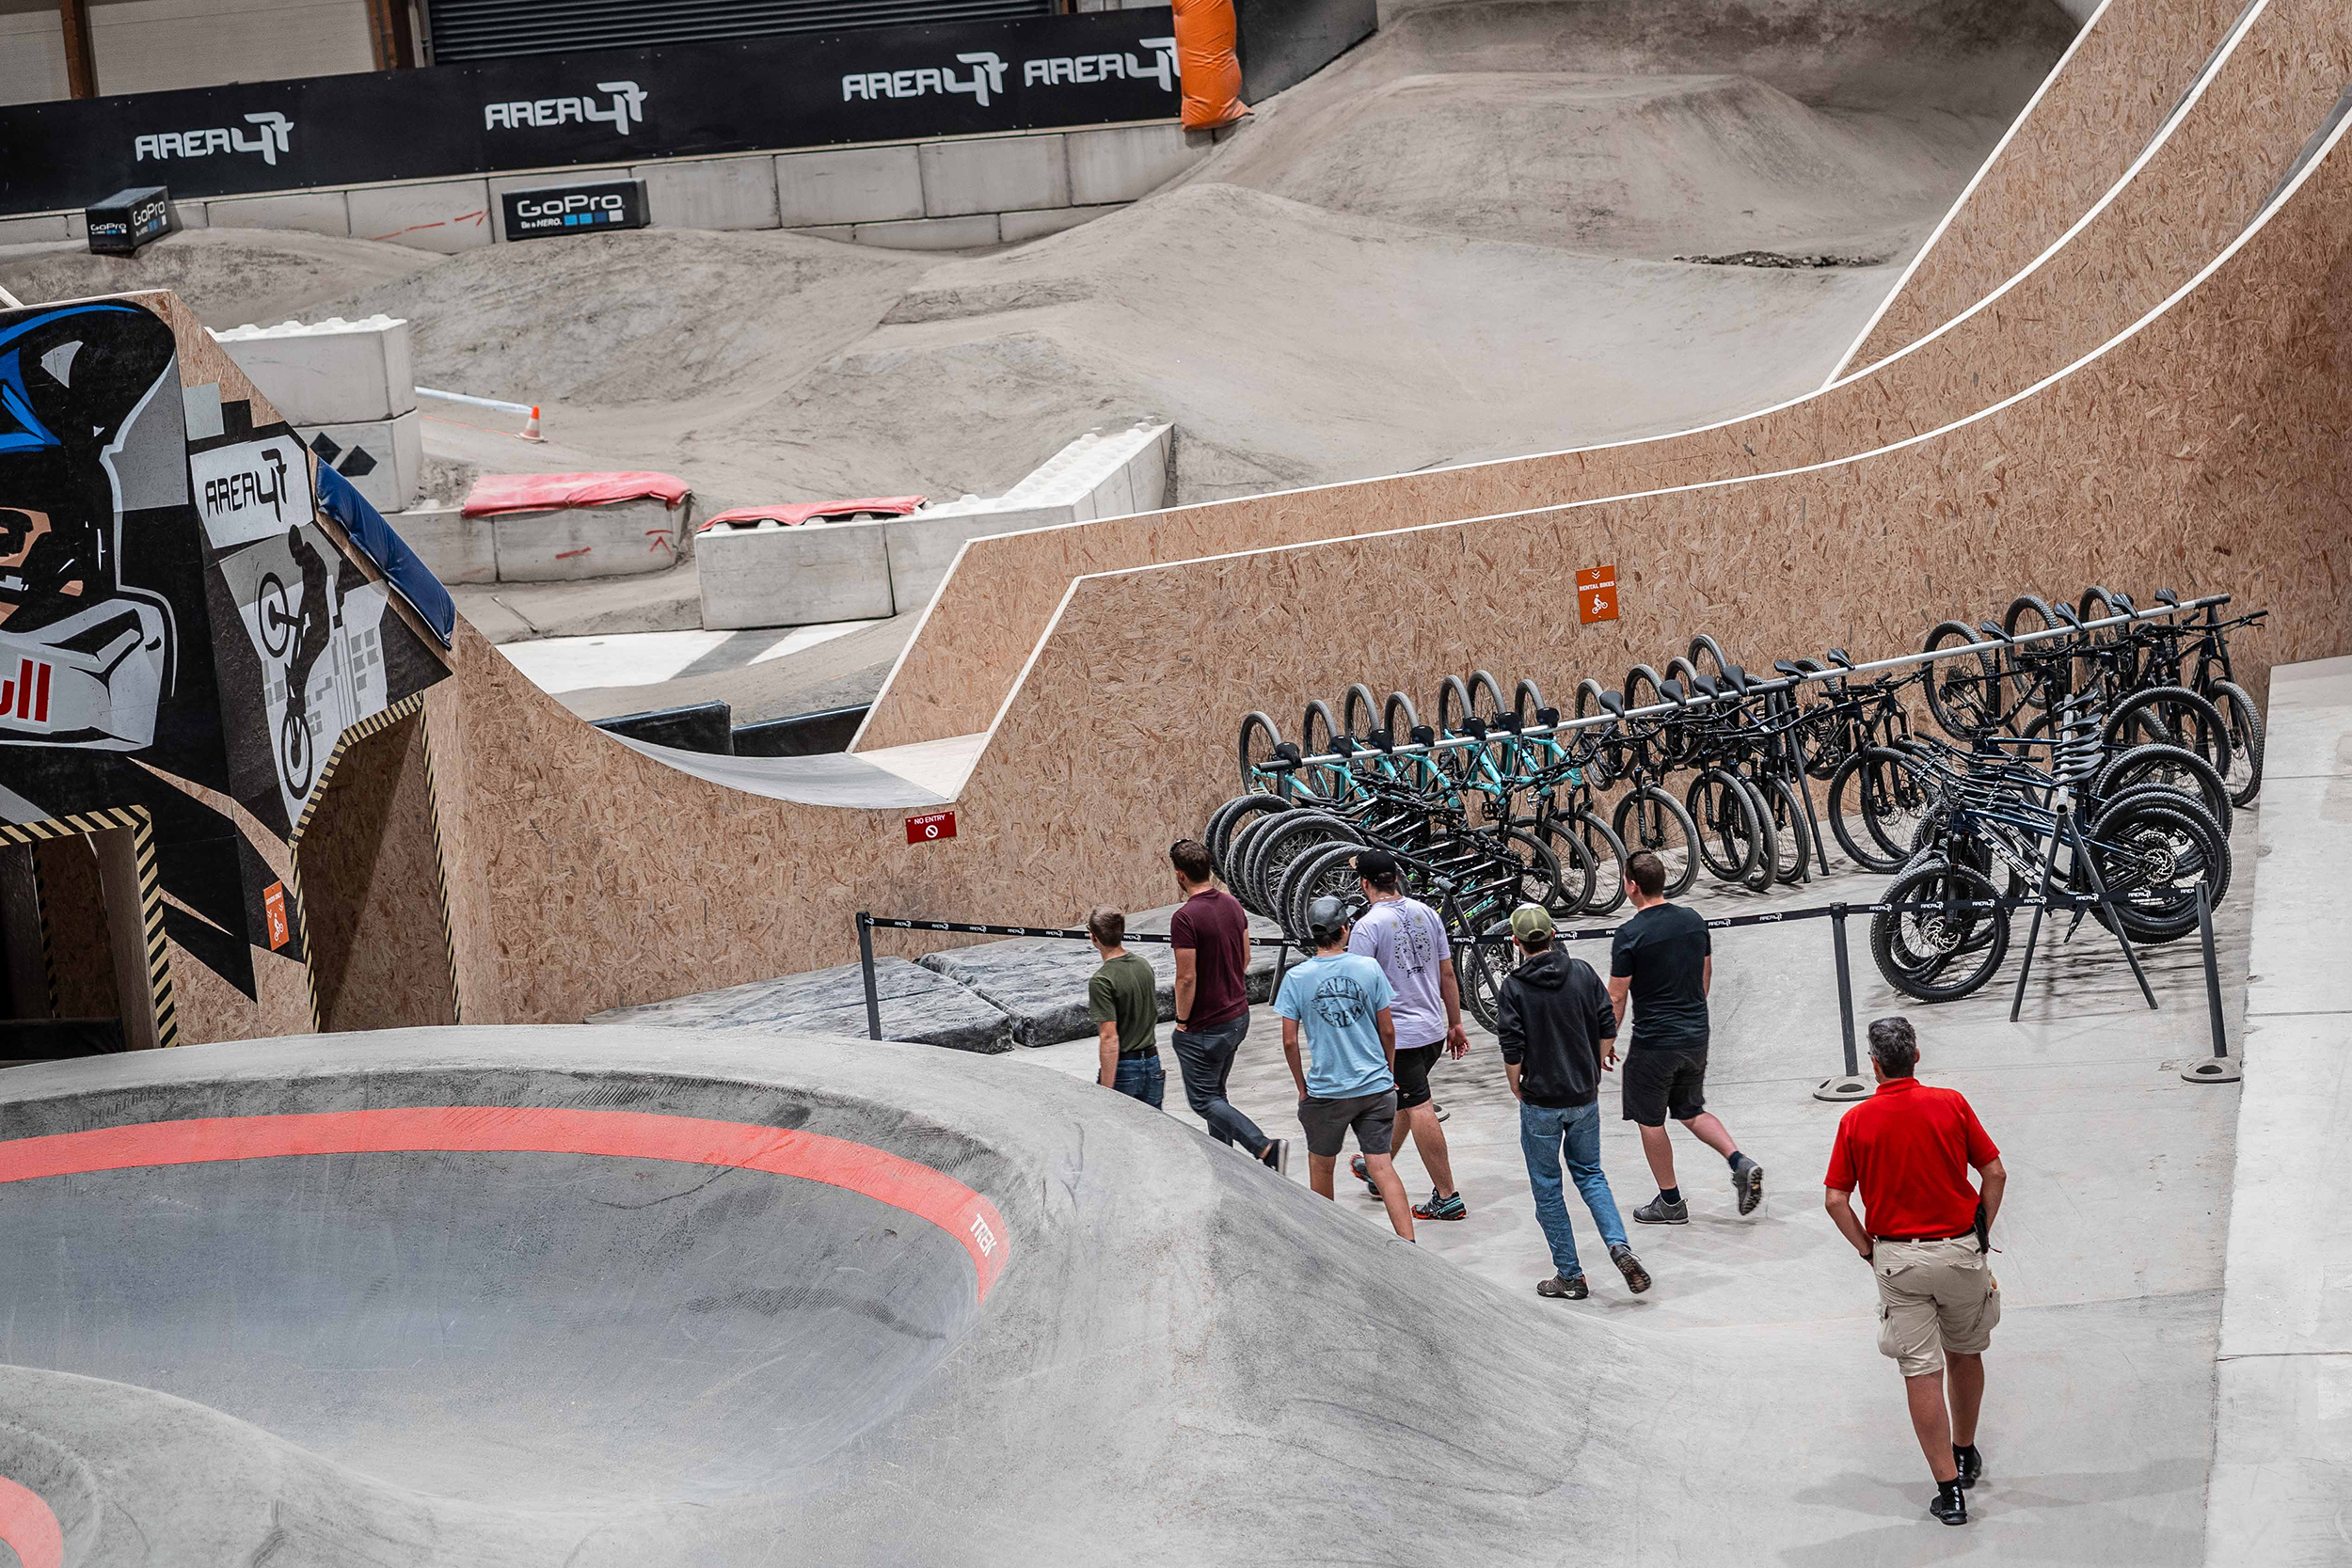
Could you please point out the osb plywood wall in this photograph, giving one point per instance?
(964, 661)
(2122, 77)
(2204, 451)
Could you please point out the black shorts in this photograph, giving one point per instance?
(1661, 1083)
(1412, 1074)
(1371, 1116)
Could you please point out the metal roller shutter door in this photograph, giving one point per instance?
(495, 29)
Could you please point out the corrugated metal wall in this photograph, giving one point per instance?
(489, 30)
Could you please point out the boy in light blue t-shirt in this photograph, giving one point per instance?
(1340, 1002)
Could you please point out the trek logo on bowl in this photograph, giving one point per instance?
(628, 108)
(274, 136)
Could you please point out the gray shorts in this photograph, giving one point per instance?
(1327, 1122)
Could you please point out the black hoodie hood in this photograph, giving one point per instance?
(1548, 969)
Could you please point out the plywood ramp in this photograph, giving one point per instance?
(2175, 204)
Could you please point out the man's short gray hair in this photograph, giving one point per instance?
(1894, 1046)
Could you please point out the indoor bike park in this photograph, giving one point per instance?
(2080, 755)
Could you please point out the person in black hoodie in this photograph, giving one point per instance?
(1553, 1019)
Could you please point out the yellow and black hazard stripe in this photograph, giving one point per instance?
(375, 723)
(110, 820)
(440, 869)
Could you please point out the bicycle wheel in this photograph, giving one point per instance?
(2041, 673)
(1577, 868)
(1534, 869)
(1328, 870)
(1258, 740)
(1478, 968)
(1680, 669)
(1486, 696)
(1874, 807)
(1272, 851)
(1707, 657)
(1398, 718)
(1642, 688)
(1316, 730)
(2151, 853)
(1227, 817)
(2171, 715)
(1588, 698)
(1608, 854)
(1728, 842)
(1946, 950)
(1659, 824)
(1760, 876)
(1233, 863)
(1964, 690)
(2245, 724)
(1527, 699)
(1791, 835)
(2174, 768)
(1357, 711)
(1454, 706)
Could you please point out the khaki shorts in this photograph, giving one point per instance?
(1935, 1298)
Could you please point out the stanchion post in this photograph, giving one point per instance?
(2220, 1068)
(866, 968)
(1852, 1086)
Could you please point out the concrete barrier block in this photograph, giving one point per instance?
(721, 193)
(1125, 162)
(453, 546)
(923, 547)
(192, 214)
(384, 459)
(845, 232)
(447, 216)
(1017, 227)
(965, 233)
(996, 175)
(328, 372)
(794, 576)
(35, 229)
(576, 543)
(314, 211)
(854, 184)
(501, 184)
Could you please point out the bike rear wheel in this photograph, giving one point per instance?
(1964, 690)
(1357, 711)
(1608, 854)
(2245, 724)
(1875, 805)
(1649, 818)
(1729, 842)
(1791, 836)
(1948, 949)
(2151, 853)
(1258, 740)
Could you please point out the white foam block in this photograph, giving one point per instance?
(328, 372)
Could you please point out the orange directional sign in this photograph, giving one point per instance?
(1596, 594)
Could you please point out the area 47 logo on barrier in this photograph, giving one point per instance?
(275, 135)
(628, 109)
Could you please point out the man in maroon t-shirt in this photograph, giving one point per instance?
(1908, 1148)
(1211, 934)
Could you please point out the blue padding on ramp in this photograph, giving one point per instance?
(390, 551)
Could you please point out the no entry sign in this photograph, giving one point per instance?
(930, 825)
(1596, 594)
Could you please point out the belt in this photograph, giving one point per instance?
(1968, 1235)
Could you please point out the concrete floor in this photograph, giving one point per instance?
(2099, 1418)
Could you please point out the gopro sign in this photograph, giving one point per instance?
(574, 209)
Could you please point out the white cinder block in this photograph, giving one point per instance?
(963, 233)
(996, 175)
(501, 184)
(313, 212)
(447, 215)
(328, 372)
(794, 576)
(574, 543)
(1017, 227)
(453, 546)
(1125, 162)
(384, 459)
(855, 185)
(721, 193)
(35, 229)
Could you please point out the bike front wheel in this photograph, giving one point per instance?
(1649, 818)
(1947, 938)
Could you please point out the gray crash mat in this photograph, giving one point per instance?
(919, 1006)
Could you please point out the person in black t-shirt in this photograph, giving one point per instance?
(1663, 964)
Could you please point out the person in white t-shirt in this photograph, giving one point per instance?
(1408, 940)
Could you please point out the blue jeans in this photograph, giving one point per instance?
(1140, 1078)
(1206, 1057)
(1544, 1133)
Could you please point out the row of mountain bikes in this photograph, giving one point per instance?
(2093, 753)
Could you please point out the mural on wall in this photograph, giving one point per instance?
(172, 608)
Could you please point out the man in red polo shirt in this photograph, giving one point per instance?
(1908, 1148)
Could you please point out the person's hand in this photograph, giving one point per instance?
(1870, 1253)
(1609, 1056)
(1456, 1041)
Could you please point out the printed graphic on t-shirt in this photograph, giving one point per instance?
(1340, 1003)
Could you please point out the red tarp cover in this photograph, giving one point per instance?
(795, 512)
(494, 493)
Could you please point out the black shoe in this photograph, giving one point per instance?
(1659, 1211)
(1971, 1464)
(1951, 1503)
(1362, 1174)
(1450, 1207)
(1636, 1276)
(1277, 1156)
(1563, 1288)
(1747, 1182)
(1438, 1111)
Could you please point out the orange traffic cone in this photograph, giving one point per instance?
(530, 427)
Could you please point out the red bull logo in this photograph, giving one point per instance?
(25, 696)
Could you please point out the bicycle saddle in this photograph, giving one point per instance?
(1670, 689)
(1509, 721)
(1423, 735)
(1992, 629)
(1614, 702)
(2066, 613)
(1840, 657)
(1786, 668)
(1381, 740)
(1736, 678)
(2165, 596)
(1703, 685)
(1345, 745)
(1285, 755)
(1474, 727)
(1548, 717)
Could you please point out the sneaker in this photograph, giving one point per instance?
(1951, 1504)
(1659, 1211)
(1636, 1276)
(1971, 1464)
(1747, 1185)
(1363, 1175)
(1450, 1207)
(1438, 1111)
(1567, 1286)
(1277, 1156)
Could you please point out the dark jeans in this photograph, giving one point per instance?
(1141, 1078)
(1206, 1059)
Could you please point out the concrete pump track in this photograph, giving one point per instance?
(564, 1295)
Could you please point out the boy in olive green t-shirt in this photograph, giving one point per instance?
(1123, 999)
